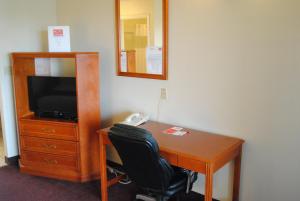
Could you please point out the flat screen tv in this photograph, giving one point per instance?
(53, 97)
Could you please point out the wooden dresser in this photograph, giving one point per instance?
(61, 149)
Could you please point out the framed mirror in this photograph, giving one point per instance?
(142, 38)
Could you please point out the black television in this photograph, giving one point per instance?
(53, 97)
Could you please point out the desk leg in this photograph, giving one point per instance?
(103, 173)
(237, 174)
(208, 183)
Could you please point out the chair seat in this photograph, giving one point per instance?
(179, 181)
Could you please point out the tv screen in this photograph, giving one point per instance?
(53, 96)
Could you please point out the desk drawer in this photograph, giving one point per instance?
(49, 160)
(192, 164)
(171, 158)
(48, 145)
(49, 130)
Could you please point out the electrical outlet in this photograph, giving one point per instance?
(163, 94)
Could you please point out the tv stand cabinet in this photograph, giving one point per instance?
(56, 148)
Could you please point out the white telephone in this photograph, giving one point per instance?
(136, 119)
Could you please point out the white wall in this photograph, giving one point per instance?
(23, 26)
(234, 69)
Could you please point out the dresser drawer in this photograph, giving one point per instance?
(48, 145)
(48, 130)
(49, 160)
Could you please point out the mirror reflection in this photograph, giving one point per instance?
(141, 36)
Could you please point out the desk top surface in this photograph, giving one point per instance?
(195, 144)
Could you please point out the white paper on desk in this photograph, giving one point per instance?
(178, 131)
(154, 60)
(59, 39)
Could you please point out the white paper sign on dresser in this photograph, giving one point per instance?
(59, 39)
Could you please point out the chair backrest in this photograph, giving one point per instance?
(139, 153)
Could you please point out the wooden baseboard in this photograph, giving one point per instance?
(14, 161)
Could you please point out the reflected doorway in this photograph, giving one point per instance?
(135, 40)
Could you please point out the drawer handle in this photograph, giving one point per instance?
(49, 146)
(48, 130)
(50, 162)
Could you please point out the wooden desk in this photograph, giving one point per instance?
(199, 151)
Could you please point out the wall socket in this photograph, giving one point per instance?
(163, 94)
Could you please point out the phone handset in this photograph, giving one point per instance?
(136, 119)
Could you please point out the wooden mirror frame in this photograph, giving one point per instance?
(165, 23)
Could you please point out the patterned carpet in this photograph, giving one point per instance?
(15, 186)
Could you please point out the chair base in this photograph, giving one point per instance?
(144, 197)
(150, 198)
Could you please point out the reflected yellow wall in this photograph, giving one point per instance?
(139, 8)
(136, 41)
(132, 39)
(131, 12)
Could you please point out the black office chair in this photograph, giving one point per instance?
(155, 177)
